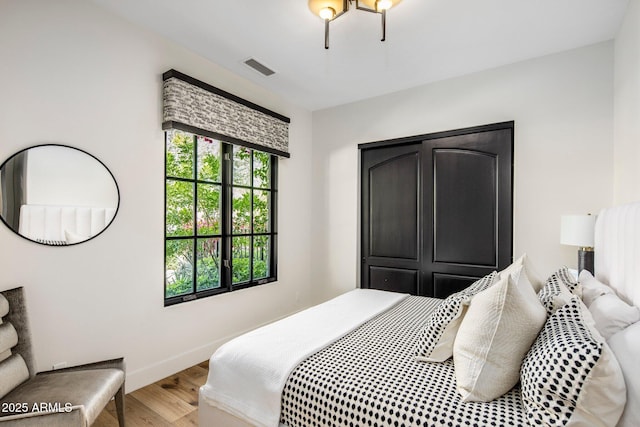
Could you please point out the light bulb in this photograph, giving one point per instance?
(384, 4)
(327, 13)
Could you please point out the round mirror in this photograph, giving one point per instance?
(57, 195)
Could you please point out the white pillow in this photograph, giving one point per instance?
(612, 315)
(570, 376)
(592, 288)
(523, 264)
(496, 332)
(626, 347)
(435, 342)
(72, 237)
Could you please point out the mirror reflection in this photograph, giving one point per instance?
(57, 195)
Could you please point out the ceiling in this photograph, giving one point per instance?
(427, 40)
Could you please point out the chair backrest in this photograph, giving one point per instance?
(15, 341)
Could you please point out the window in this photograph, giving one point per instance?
(220, 206)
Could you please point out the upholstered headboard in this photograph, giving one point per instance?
(617, 246)
(47, 222)
(617, 263)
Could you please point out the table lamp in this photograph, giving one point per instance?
(578, 230)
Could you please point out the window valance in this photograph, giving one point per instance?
(197, 107)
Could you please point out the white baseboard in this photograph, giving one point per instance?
(157, 371)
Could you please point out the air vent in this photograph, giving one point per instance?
(261, 68)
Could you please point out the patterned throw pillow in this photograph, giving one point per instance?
(569, 281)
(571, 375)
(435, 343)
(556, 291)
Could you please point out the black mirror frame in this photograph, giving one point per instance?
(115, 182)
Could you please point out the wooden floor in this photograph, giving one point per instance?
(172, 401)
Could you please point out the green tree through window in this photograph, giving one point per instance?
(219, 217)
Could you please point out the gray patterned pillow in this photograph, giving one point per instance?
(435, 343)
(570, 374)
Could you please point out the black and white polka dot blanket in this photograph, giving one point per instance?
(370, 378)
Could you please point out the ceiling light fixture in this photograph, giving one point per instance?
(329, 10)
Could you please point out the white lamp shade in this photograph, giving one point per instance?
(577, 230)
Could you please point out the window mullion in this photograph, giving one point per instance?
(227, 204)
(166, 142)
(273, 217)
(194, 285)
(252, 230)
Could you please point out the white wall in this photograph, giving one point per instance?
(562, 106)
(627, 107)
(74, 74)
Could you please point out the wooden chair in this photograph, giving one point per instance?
(65, 397)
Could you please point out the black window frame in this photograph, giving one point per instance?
(226, 230)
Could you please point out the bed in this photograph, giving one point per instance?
(352, 360)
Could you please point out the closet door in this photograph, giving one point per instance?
(436, 210)
(391, 218)
(468, 208)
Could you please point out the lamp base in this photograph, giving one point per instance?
(585, 260)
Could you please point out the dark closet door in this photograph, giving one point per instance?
(391, 215)
(437, 210)
(468, 208)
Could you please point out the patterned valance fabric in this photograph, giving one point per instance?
(194, 106)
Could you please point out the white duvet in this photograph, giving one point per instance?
(247, 374)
